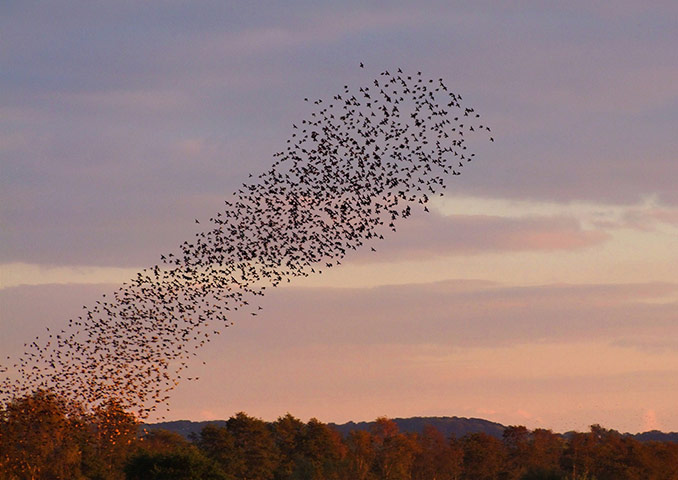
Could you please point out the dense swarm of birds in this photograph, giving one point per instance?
(360, 162)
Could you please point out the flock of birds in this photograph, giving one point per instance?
(362, 161)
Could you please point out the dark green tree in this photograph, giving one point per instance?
(255, 455)
(188, 464)
(218, 444)
(323, 452)
(161, 441)
(162, 454)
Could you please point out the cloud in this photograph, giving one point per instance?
(666, 215)
(426, 236)
(581, 99)
(650, 421)
(647, 219)
(134, 231)
(20, 274)
(314, 28)
(112, 102)
(463, 314)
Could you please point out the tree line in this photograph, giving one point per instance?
(43, 436)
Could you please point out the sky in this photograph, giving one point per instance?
(541, 290)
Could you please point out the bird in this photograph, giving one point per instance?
(349, 173)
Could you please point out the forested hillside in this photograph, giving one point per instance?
(43, 436)
(448, 426)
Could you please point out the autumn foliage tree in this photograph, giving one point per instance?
(437, 457)
(395, 451)
(322, 453)
(39, 437)
(45, 437)
(484, 457)
(112, 436)
(245, 448)
(361, 454)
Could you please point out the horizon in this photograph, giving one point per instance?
(539, 291)
(437, 417)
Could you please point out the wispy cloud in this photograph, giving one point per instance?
(466, 314)
(426, 236)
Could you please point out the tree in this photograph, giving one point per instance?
(39, 436)
(484, 457)
(218, 444)
(578, 457)
(457, 457)
(162, 454)
(110, 439)
(437, 459)
(615, 456)
(255, 456)
(659, 460)
(518, 451)
(188, 464)
(395, 451)
(544, 474)
(288, 433)
(547, 449)
(159, 441)
(323, 451)
(533, 454)
(361, 454)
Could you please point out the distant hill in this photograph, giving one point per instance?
(184, 428)
(656, 436)
(448, 426)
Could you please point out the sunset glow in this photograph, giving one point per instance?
(541, 290)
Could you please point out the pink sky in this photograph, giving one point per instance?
(540, 291)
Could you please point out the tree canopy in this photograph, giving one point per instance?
(43, 436)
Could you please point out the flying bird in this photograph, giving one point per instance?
(351, 171)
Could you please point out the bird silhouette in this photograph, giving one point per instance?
(350, 172)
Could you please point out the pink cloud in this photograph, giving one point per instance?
(666, 216)
(425, 236)
(650, 421)
(554, 236)
(643, 219)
